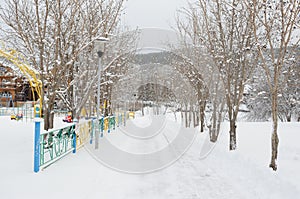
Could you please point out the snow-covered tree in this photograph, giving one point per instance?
(224, 29)
(276, 32)
(117, 53)
(259, 100)
(53, 33)
(192, 46)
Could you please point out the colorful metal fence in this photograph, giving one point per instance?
(51, 146)
(56, 144)
(83, 131)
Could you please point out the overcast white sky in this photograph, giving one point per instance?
(151, 13)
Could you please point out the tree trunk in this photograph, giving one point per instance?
(186, 117)
(275, 142)
(213, 125)
(220, 117)
(46, 119)
(190, 116)
(232, 135)
(49, 114)
(289, 118)
(194, 118)
(213, 134)
(197, 118)
(51, 120)
(202, 115)
(275, 139)
(181, 116)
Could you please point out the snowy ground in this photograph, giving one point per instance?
(199, 173)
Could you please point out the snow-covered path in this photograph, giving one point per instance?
(187, 177)
(221, 174)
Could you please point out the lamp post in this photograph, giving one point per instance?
(100, 53)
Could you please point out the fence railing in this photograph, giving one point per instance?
(56, 144)
(7, 111)
(51, 146)
(83, 131)
(27, 112)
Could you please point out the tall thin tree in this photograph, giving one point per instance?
(275, 26)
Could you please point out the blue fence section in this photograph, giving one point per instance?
(51, 146)
(37, 131)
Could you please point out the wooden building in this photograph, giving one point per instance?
(14, 88)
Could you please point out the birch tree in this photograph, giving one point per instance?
(224, 28)
(190, 30)
(276, 33)
(259, 101)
